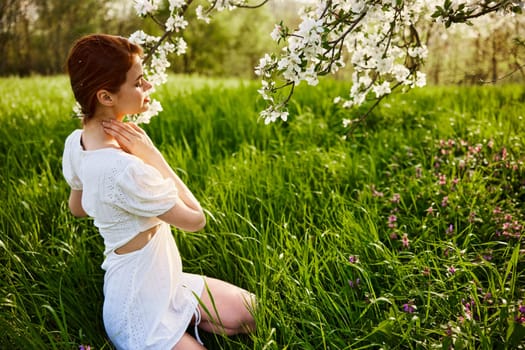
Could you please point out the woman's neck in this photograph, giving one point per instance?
(94, 137)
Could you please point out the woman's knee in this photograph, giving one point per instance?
(229, 305)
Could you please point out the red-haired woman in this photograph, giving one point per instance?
(120, 179)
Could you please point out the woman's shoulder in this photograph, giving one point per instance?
(111, 160)
(73, 139)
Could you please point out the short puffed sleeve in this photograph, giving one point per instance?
(71, 160)
(141, 190)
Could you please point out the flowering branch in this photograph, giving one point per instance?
(158, 48)
(379, 40)
(453, 12)
(378, 47)
(382, 43)
(242, 5)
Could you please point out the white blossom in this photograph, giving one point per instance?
(176, 4)
(145, 7)
(348, 104)
(176, 23)
(266, 89)
(382, 89)
(418, 51)
(138, 37)
(276, 33)
(266, 63)
(420, 79)
(199, 11)
(310, 76)
(375, 36)
(144, 118)
(181, 46)
(77, 110)
(271, 115)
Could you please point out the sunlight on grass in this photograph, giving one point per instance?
(406, 234)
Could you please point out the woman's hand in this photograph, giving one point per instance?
(187, 214)
(131, 138)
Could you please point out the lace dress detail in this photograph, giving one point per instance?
(148, 300)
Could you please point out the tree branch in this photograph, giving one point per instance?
(252, 6)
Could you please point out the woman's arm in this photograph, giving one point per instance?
(187, 214)
(75, 203)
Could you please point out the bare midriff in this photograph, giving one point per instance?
(138, 242)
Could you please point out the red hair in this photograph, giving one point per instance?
(96, 62)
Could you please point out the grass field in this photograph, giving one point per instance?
(407, 234)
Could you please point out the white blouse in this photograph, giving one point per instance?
(120, 192)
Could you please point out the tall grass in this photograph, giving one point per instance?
(406, 234)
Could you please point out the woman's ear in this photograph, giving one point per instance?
(105, 98)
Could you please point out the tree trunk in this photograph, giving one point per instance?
(494, 59)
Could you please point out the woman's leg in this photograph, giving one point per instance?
(226, 308)
(187, 342)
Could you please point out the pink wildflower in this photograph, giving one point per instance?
(392, 221)
(353, 259)
(395, 198)
(354, 284)
(406, 242)
(442, 179)
(376, 193)
(409, 307)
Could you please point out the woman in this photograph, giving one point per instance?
(120, 179)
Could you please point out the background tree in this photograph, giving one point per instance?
(35, 35)
(486, 51)
(230, 45)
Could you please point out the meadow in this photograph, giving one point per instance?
(406, 234)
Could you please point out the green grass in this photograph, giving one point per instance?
(334, 234)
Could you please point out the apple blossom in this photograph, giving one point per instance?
(378, 39)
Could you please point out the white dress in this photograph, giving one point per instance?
(148, 300)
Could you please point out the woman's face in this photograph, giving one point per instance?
(132, 97)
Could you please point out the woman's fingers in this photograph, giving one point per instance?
(117, 131)
(126, 130)
(136, 127)
(130, 136)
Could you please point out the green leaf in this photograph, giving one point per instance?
(515, 334)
